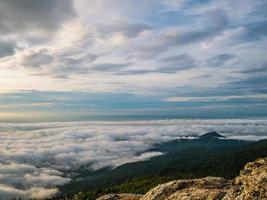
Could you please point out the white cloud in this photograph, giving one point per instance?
(247, 137)
(123, 35)
(33, 193)
(216, 98)
(25, 180)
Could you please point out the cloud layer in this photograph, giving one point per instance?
(81, 45)
(35, 157)
(37, 16)
(164, 48)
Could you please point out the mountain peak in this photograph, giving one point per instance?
(209, 135)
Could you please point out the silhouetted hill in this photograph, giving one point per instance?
(211, 135)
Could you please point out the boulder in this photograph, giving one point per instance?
(251, 183)
(212, 188)
(120, 197)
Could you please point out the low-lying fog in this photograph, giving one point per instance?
(34, 156)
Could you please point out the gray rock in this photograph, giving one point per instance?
(206, 188)
(120, 197)
(251, 184)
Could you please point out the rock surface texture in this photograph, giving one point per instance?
(121, 197)
(205, 188)
(251, 184)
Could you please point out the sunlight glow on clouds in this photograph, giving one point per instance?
(69, 42)
(164, 48)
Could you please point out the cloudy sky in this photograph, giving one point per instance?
(91, 59)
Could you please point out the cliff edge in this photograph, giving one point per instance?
(251, 184)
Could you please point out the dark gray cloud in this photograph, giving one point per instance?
(204, 76)
(136, 72)
(71, 66)
(259, 69)
(169, 64)
(176, 63)
(72, 61)
(26, 15)
(36, 59)
(109, 67)
(256, 30)
(88, 58)
(7, 48)
(60, 65)
(219, 60)
(251, 84)
(214, 21)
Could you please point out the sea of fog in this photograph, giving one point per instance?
(34, 156)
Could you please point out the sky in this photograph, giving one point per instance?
(70, 60)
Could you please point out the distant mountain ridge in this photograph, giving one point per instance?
(210, 135)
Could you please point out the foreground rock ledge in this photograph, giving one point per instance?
(251, 184)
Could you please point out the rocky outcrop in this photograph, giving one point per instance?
(205, 188)
(251, 184)
(121, 197)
